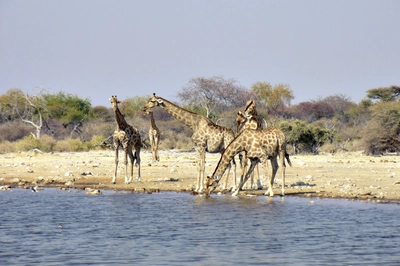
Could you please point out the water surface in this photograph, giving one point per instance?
(181, 229)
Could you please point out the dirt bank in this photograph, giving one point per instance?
(345, 175)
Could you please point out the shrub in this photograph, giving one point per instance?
(14, 131)
(72, 145)
(28, 143)
(48, 143)
(6, 147)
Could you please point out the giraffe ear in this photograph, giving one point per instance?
(239, 112)
(159, 101)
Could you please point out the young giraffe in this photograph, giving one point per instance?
(259, 146)
(127, 137)
(207, 136)
(256, 122)
(154, 136)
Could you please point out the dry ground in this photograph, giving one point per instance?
(344, 175)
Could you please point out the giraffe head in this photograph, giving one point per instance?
(250, 107)
(211, 185)
(245, 121)
(152, 102)
(114, 101)
(240, 120)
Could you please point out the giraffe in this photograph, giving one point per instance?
(250, 109)
(154, 136)
(127, 137)
(259, 146)
(207, 136)
(249, 119)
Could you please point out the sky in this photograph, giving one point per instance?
(98, 48)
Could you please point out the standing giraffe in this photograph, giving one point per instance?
(243, 121)
(154, 136)
(207, 136)
(259, 146)
(127, 137)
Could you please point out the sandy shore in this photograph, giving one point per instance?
(345, 175)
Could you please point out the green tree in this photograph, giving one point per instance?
(304, 137)
(133, 105)
(69, 109)
(359, 114)
(273, 97)
(12, 105)
(382, 133)
(384, 94)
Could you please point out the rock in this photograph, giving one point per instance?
(171, 179)
(92, 191)
(15, 180)
(6, 187)
(69, 183)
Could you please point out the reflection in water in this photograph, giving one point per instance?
(178, 228)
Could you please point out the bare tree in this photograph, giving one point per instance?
(214, 94)
(34, 111)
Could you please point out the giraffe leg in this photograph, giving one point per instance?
(132, 159)
(234, 173)
(116, 166)
(227, 176)
(201, 167)
(283, 170)
(252, 165)
(275, 166)
(156, 149)
(137, 156)
(259, 185)
(126, 165)
(244, 167)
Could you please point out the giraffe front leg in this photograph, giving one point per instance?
(126, 167)
(201, 168)
(227, 177)
(253, 164)
(116, 166)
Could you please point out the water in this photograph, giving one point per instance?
(181, 229)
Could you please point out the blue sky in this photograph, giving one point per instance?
(99, 48)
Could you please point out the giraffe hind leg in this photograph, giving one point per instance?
(137, 157)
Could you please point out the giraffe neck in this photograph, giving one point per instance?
(152, 122)
(121, 122)
(236, 146)
(185, 116)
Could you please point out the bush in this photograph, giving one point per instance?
(14, 131)
(28, 143)
(6, 147)
(48, 143)
(72, 145)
